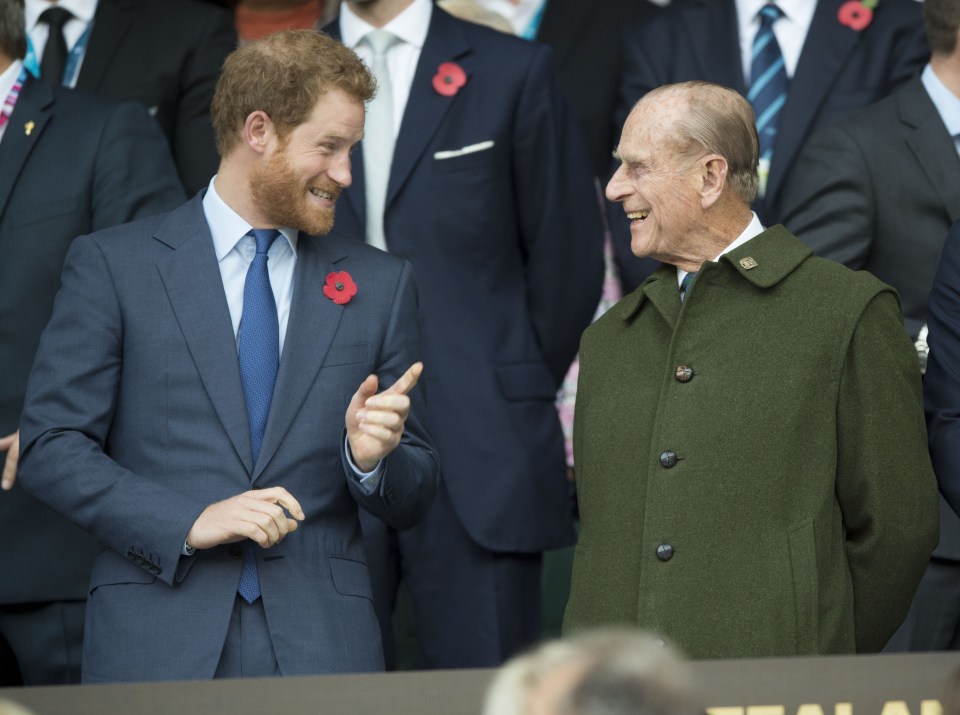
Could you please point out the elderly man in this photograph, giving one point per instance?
(750, 449)
(203, 397)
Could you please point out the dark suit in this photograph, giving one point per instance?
(85, 164)
(167, 56)
(135, 421)
(839, 70)
(506, 247)
(585, 37)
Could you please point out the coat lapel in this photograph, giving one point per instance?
(110, 25)
(311, 328)
(825, 52)
(195, 290)
(425, 107)
(931, 144)
(35, 105)
(719, 57)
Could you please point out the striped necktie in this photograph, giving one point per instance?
(768, 80)
(685, 285)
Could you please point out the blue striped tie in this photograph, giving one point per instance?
(259, 353)
(768, 80)
(685, 285)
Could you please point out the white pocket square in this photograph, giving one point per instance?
(466, 150)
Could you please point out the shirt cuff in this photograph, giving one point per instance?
(369, 481)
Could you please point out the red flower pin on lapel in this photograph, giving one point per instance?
(340, 287)
(856, 14)
(449, 78)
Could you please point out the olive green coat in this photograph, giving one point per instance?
(802, 507)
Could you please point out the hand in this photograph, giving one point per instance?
(375, 422)
(256, 515)
(10, 444)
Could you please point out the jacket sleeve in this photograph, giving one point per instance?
(942, 382)
(829, 199)
(68, 411)
(885, 483)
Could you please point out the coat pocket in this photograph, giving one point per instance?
(350, 578)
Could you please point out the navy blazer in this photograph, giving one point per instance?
(839, 70)
(135, 421)
(506, 247)
(71, 164)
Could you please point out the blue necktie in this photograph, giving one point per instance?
(768, 80)
(685, 284)
(259, 354)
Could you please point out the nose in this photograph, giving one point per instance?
(340, 170)
(617, 187)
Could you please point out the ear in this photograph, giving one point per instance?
(258, 132)
(713, 179)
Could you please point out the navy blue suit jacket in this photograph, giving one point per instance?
(941, 384)
(506, 248)
(135, 421)
(839, 70)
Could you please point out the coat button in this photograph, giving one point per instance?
(235, 552)
(664, 552)
(668, 459)
(683, 373)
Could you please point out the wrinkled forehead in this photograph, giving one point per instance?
(650, 129)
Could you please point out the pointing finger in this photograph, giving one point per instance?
(407, 381)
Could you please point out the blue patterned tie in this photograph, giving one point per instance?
(259, 361)
(768, 80)
(685, 284)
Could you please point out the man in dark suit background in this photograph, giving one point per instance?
(489, 194)
(832, 65)
(71, 164)
(166, 55)
(878, 191)
(188, 398)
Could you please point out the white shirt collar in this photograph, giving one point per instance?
(227, 227)
(82, 10)
(946, 102)
(753, 228)
(410, 25)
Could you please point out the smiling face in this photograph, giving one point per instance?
(657, 183)
(302, 173)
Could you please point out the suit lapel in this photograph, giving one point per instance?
(110, 25)
(195, 290)
(425, 107)
(825, 51)
(929, 141)
(36, 105)
(311, 328)
(718, 58)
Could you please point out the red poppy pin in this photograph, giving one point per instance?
(856, 14)
(340, 287)
(449, 78)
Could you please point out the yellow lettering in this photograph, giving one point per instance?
(765, 710)
(810, 709)
(931, 707)
(725, 711)
(895, 707)
(844, 709)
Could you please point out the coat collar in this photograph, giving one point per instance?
(764, 261)
(35, 105)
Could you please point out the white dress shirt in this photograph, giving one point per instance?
(753, 229)
(83, 12)
(410, 26)
(790, 30)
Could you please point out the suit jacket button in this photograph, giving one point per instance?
(664, 552)
(683, 373)
(235, 552)
(668, 459)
